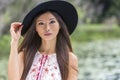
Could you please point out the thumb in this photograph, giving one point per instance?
(20, 29)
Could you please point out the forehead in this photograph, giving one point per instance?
(46, 16)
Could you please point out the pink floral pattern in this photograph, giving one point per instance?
(44, 67)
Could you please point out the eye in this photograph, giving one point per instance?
(52, 22)
(40, 23)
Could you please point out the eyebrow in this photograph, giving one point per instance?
(49, 19)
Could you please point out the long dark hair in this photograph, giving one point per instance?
(32, 42)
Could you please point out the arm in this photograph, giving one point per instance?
(73, 67)
(15, 63)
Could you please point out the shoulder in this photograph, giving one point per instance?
(73, 61)
(21, 57)
(21, 54)
(72, 57)
(73, 66)
(21, 62)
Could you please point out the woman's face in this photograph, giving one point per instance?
(47, 26)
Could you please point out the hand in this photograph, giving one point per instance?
(15, 31)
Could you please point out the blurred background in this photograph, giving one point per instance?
(96, 40)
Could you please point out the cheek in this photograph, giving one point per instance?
(56, 30)
(39, 31)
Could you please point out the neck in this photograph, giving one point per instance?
(48, 47)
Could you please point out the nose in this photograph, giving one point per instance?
(47, 27)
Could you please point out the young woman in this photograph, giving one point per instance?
(45, 52)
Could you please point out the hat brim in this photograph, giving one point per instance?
(66, 10)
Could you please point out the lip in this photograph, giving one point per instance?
(48, 34)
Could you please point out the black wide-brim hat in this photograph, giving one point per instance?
(64, 9)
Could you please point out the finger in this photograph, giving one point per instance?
(16, 24)
(13, 33)
(16, 27)
(20, 28)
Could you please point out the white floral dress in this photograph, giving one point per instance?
(44, 67)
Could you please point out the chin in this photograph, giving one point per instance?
(48, 38)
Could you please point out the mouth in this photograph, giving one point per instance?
(48, 34)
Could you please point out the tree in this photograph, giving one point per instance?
(14, 10)
(99, 10)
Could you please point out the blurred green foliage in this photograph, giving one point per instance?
(3, 69)
(4, 46)
(93, 32)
